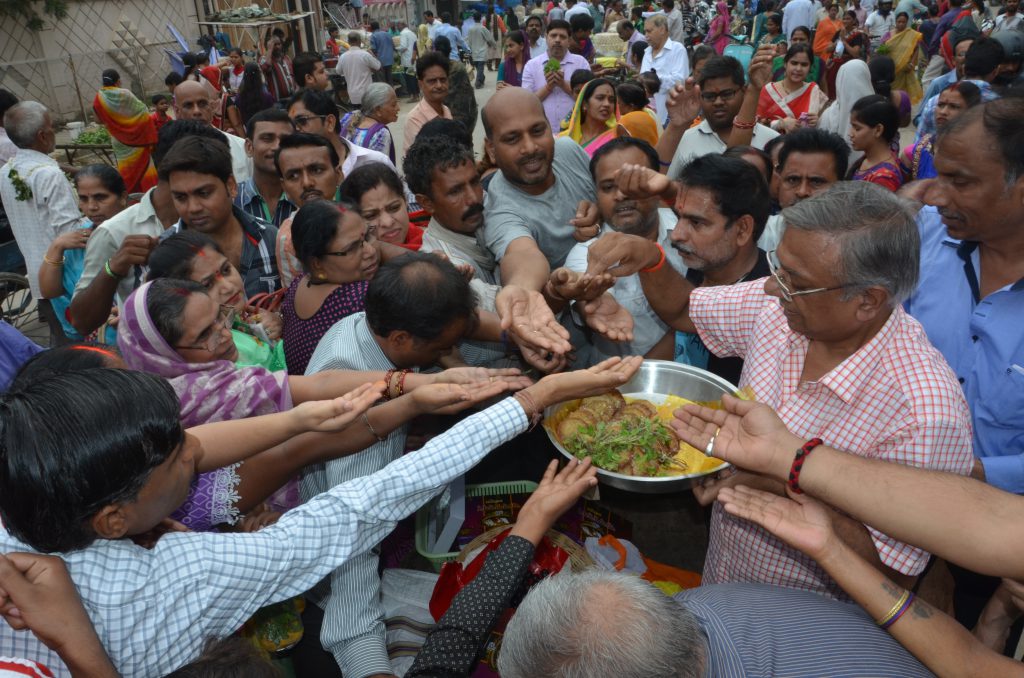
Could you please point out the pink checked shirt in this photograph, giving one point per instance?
(894, 399)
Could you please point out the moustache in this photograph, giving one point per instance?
(682, 249)
(943, 212)
(311, 195)
(473, 211)
(531, 158)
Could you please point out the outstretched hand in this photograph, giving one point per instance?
(526, 315)
(683, 103)
(801, 522)
(760, 70)
(621, 254)
(513, 377)
(571, 285)
(641, 182)
(608, 318)
(558, 490)
(453, 398)
(751, 435)
(600, 378)
(329, 416)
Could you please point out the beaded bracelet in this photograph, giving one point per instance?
(901, 606)
(530, 408)
(798, 464)
(657, 266)
(387, 383)
(401, 382)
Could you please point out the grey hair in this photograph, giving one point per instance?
(23, 121)
(355, 38)
(599, 624)
(875, 231)
(659, 20)
(375, 96)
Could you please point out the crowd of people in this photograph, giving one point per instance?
(277, 330)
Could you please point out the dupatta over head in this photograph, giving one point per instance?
(575, 129)
(209, 392)
(512, 76)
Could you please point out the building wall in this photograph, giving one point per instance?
(129, 35)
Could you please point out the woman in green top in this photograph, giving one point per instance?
(801, 34)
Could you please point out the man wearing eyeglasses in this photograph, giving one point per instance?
(722, 93)
(826, 343)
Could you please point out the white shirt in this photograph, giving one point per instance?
(357, 66)
(106, 239)
(406, 46)
(672, 66)
(540, 48)
(51, 210)
(7, 147)
(432, 28)
(878, 25)
(241, 163)
(676, 31)
(359, 156)
(154, 609)
(578, 8)
(797, 13)
(648, 328)
(702, 140)
(1004, 22)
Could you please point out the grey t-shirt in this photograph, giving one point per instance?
(512, 214)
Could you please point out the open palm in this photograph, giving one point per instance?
(608, 318)
(801, 522)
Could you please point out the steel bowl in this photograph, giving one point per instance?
(653, 381)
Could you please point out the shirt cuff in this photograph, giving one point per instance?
(1006, 473)
(364, 656)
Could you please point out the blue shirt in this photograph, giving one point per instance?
(454, 37)
(983, 341)
(15, 350)
(383, 47)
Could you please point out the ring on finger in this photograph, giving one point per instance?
(710, 449)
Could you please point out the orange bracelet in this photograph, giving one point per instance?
(657, 266)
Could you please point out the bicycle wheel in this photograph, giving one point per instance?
(16, 304)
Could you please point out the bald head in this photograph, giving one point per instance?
(510, 103)
(192, 101)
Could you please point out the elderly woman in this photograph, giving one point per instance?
(368, 127)
(174, 329)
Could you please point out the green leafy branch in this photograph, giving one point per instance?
(25, 9)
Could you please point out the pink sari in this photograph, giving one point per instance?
(718, 31)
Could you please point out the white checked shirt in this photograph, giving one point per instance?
(154, 609)
(894, 399)
(353, 628)
(50, 211)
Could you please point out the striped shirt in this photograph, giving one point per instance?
(154, 609)
(758, 631)
(894, 399)
(353, 627)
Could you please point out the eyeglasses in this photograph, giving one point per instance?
(302, 120)
(368, 237)
(225, 320)
(787, 293)
(724, 95)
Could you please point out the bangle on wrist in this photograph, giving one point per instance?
(901, 606)
(53, 263)
(108, 271)
(379, 437)
(739, 124)
(387, 384)
(798, 464)
(533, 413)
(657, 266)
(401, 382)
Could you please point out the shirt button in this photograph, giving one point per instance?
(974, 338)
(960, 379)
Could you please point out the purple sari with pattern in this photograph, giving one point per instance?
(208, 392)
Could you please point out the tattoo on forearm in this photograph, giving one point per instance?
(921, 609)
(892, 589)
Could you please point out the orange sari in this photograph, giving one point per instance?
(827, 29)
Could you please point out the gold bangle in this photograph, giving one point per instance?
(54, 263)
(366, 421)
(895, 608)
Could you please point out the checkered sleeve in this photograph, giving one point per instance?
(939, 439)
(725, 316)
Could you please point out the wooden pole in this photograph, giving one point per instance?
(74, 79)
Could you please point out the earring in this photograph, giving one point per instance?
(321, 276)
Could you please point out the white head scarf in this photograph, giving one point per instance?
(852, 83)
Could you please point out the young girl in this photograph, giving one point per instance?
(874, 123)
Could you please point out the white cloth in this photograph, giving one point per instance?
(540, 48)
(106, 239)
(241, 163)
(877, 26)
(648, 328)
(676, 30)
(672, 66)
(51, 210)
(702, 140)
(797, 13)
(7, 147)
(1004, 22)
(578, 8)
(357, 66)
(853, 82)
(406, 46)
(154, 609)
(432, 28)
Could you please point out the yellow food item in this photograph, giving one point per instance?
(695, 460)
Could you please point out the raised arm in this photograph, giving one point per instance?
(957, 518)
(682, 105)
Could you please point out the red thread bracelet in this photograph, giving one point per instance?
(798, 464)
(657, 266)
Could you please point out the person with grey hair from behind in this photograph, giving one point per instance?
(827, 344)
(599, 624)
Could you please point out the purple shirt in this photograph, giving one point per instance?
(558, 104)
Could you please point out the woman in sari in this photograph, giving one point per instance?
(592, 122)
(848, 44)
(792, 103)
(852, 84)
(874, 124)
(132, 132)
(918, 160)
(718, 31)
(772, 33)
(825, 34)
(904, 47)
(368, 127)
(517, 53)
(495, 25)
